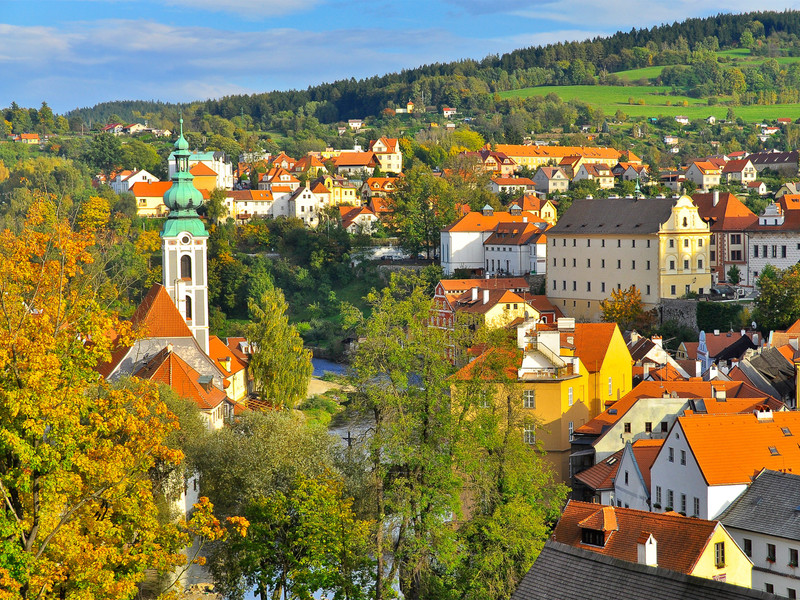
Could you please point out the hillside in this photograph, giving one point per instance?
(677, 55)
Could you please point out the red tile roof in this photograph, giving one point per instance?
(170, 369)
(730, 214)
(601, 476)
(202, 170)
(218, 352)
(157, 316)
(680, 540)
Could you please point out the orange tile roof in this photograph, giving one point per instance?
(477, 221)
(354, 159)
(645, 452)
(730, 214)
(591, 342)
(157, 315)
(736, 166)
(156, 189)
(516, 234)
(170, 369)
(202, 170)
(218, 352)
(693, 388)
(601, 476)
(319, 188)
(681, 540)
(735, 463)
(562, 151)
(666, 373)
(489, 365)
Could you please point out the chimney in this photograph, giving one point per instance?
(646, 370)
(720, 394)
(226, 363)
(475, 293)
(763, 413)
(647, 550)
(698, 368)
(716, 332)
(206, 381)
(715, 197)
(576, 366)
(486, 296)
(713, 372)
(658, 341)
(170, 347)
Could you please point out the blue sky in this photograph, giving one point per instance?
(73, 53)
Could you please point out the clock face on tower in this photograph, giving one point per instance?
(186, 240)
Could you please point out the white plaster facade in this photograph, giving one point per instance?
(778, 573)
(630, 490)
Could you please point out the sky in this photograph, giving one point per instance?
(76, 53)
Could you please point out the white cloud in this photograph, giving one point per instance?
(248, 8)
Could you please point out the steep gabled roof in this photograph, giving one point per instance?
(170, 369)
(601, 476)
(157, 315)
(614, 216)
(730, 214)
(591, 342)
(760, 444)
(681, 540)
(769, 506)
(202, 170)
(219, 352)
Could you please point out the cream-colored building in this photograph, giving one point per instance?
(660, 245)
(539, 156)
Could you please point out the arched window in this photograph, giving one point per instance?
(685, 222)
(186, 267)
(188, 308)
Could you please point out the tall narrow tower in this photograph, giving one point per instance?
(185, 247)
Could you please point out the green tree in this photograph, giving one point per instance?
(135, 154)
(734, 275)
(625, 308)
(778, 302)
(280, 366)
(104, 153)
(215, 207)
(421, 206)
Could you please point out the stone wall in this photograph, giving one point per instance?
(682, 311)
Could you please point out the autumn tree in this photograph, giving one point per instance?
(280, 365)
(626, 309)
(78, 518)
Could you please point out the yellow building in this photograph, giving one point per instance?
(205, 178)
(660, 245)
(341, 190)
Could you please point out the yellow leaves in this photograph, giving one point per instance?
(147, 242)
(94, 214)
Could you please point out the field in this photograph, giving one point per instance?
(612, 98)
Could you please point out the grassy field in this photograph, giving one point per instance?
(637, 74)
(613, 98)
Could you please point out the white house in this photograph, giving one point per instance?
(304, 204)
(632, 483)
(776, 239)
(124, 180)
(217, 161)
(708, 460)
(764, 523)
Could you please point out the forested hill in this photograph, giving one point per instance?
(466, 84)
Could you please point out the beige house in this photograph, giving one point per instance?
(387, 154)
(596, 172)
(551, 180)
(704, 174)
(660, 245)
(739, 171)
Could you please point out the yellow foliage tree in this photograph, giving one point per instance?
(78, 518)
(625, 308)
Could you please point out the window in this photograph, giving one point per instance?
(574, 286)
(564, 285)
(648, 427)
(696, 512)
(619, 264)
(771, 553)
(610, 386)
(186, 267)
(588, 243)
(588, 286)
(588, 263)
(593, 537)
(648, 265)
(683, 503)
(602, 243)
(671, 265)
(792, 557)
(791, 593)
(764, 251)
(699, 263)
(571, 430)
(774, 251)
(658, 494)
(555, 284)
(719, 554)
(627, 427)
(755, 251)
(554, 242)
(748, 547)
(783, 251)
(574, 262)
(555, 262)
(563, 262)
(602, 263)
(736, 255)
(769, 588)
(647, 288)
(712, 239)
(664, 427)
(633, 265)
(188, 308)
(699, 243)
(686, 242)
(569, 396)
(529, 398)
(564, 242)
(671, 457)
(712, 255)
(529, 434)
(736, 238)
(685, 265)
(685, 222)
(626, 478)
(683, 457)
(670, 499)
(672, 243)
(619, 243)
(672, 290)
(602, 286)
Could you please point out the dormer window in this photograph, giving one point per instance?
(593, 537)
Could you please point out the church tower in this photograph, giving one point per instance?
(184, 241)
